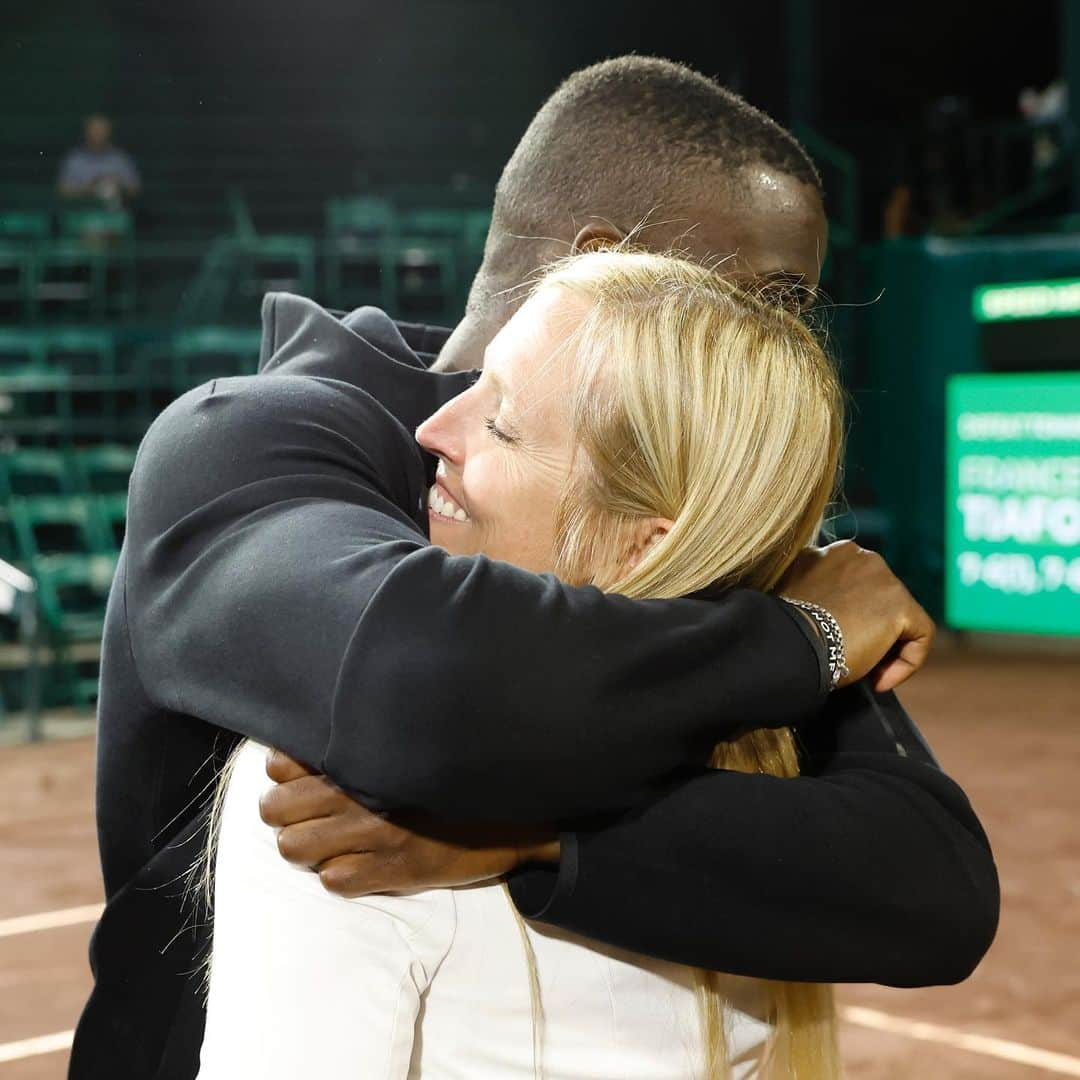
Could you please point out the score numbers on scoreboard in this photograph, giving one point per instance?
(1013, 503)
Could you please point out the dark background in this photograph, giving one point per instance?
(297, 102)
(249, 122)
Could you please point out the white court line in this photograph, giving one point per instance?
(962, 1040)
(43, 1044)
(48, 920)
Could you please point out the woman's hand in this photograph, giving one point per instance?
(356, 851)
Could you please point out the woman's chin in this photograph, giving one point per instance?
(457, 537)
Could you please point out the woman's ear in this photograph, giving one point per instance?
(596, 236)
(646, 533)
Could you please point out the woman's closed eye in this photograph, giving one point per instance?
(497, 432)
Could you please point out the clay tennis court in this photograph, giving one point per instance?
(1006, 725)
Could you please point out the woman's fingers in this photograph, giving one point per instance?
(301, 799)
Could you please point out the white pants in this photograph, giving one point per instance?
(431, 985)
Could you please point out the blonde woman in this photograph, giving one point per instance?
(643, 427)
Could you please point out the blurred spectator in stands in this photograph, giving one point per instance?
(1044, 110)
(896, 217)
(947, 168)
(98, 170)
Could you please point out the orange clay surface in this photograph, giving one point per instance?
(1007, 727)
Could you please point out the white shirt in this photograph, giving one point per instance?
(431, 985)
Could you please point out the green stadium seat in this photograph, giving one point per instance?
(243, 223)
(89, 269)
(35, 405)
(81, 350)
(29, 227)
(211, 352)
(22, 232)
(17, 277)
(98, 227)
(21, 348)
(267, 262)
(237, 270)
(475, 226)
(35, 472)
(205, 296)
(112, 516)
(8, 550)
(20, 666)
(363, 218)
(103, 470)
(423, 276)
(72, 595)
(89, 355)
(426, 263)
(49, 527)
(69, 278)
(356, 230)
(433, 222)
(151, 376)
(275, 264)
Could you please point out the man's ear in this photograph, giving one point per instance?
(646, 533)
(596, 236)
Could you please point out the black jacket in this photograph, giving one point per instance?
(276, 583)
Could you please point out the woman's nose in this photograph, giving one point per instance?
(439, 434)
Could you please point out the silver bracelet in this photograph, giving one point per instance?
(831, 635)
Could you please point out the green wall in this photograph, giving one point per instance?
(919, 333)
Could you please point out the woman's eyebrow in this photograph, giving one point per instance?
(511, 415)
(500, 388)
(493, 378)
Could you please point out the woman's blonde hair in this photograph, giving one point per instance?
(699, 402)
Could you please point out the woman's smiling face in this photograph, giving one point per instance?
(504, 445)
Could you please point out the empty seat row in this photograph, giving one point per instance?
(89, 470)
(31, 229)
(80, 350)
(57, 389)
(413, 261)
(92, 352)
(69, 546)
(87, 266)
(44, 530)
(410, 262)
(58, 650)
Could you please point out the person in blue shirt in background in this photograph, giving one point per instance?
(97, 170)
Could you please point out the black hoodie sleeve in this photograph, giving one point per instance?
(277, 586)
(869, 867)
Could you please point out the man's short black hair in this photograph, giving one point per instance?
(620, 139)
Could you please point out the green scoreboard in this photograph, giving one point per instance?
(966, 430)
(1012, 514)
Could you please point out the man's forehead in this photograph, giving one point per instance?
(772, 227)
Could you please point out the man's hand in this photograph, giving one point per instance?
(885, 630)
(357, 852)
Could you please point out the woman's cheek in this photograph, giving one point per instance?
(486, 490)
